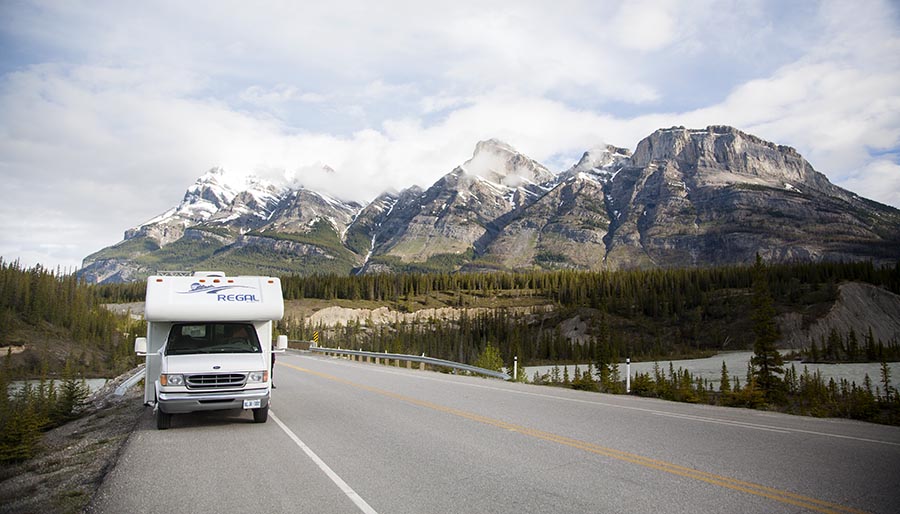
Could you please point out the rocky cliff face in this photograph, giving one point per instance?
(300, 210)
(685, 197)
(718, 196)
(461, 209)
(860, 308)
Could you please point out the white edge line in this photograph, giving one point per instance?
(338, 481)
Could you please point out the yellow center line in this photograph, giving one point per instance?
(668, 467)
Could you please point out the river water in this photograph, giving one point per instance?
(92, 383)
(711, 369)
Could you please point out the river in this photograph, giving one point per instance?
(92, 383)
(710, 368)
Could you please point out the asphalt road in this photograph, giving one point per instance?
(353, 437)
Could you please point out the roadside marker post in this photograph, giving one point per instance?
(628, 375)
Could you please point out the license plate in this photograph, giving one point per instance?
(252, 404)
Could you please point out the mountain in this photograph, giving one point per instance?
(444, 222)
(259, 228)
(720, 196)
(566, 225)
(684, 197)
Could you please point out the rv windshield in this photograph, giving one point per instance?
(193, 338)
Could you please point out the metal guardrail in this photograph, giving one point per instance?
(422, 360)
(398, 357)
(124, 386)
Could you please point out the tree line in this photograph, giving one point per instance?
(653, 292)
(66, 333)
(851, 348)
(644, 314)
(47, 309)
(804, 393)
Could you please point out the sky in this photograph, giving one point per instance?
(109, 110)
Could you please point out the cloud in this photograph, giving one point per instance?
(645, 25)
(278, 94)
(879, 180)
(109, 111)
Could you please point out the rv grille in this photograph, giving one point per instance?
(216, 381)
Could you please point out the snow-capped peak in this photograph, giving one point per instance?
(601, 162)
(206, 196)
(601, 157)
(499, 162)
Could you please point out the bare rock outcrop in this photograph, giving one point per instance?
(859, 307)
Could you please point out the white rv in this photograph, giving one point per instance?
(209, 343)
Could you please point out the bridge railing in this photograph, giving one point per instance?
(397, 358)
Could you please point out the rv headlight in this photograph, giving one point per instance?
(258, 376)
(171, 380)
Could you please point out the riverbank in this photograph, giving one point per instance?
(75, 457)
(710, 368)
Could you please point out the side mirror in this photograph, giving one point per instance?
(140, 345)
(281, 343)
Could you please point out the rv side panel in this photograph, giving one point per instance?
(213, 298)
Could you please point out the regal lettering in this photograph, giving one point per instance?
(237, 298)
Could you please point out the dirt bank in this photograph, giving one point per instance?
(859, 307)
(75, 457)
(332, 316)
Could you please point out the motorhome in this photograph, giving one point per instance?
(209, 343)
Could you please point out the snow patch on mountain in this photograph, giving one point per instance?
(500, 163)
(602, 163)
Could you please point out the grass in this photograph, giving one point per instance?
(73, 500)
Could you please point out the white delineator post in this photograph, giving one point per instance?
(628, 375)
(515, 368)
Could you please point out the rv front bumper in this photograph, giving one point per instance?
(177, 403)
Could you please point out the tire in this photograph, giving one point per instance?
(163, 419)
(261, 415)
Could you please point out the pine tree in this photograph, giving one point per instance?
(22, 427)
(766, 361)
(554, 375)
(813, 351)
(886, 381)
(615, 380)
(870, 346)
(852, 346)
(72, 396)
(725, 383)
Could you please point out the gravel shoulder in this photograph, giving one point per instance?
(74, 458)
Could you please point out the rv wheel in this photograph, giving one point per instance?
(163, 420)
(261, 415)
